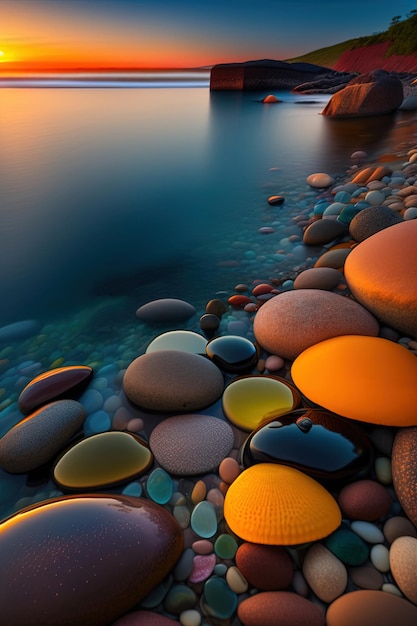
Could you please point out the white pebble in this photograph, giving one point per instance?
(190, 617)
(390, 588)
(379, 556)
(236, 581)
(367, 531)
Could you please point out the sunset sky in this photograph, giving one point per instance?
(57, 34)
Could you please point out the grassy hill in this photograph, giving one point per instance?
(400, 39)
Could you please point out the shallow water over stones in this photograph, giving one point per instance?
(211, 590)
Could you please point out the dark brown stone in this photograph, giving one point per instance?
(84, 560)
(62, 382)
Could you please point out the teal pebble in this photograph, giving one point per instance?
(220, 569)
(220, 599)
(359, 191)
(348, 213)
(159, 486)
(225, 546)
(320, 207)
(348, 547)
(133, 489)
(342, 196)
(179, 598)
(203, 519)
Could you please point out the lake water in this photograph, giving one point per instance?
(118, 190)
(143, 185)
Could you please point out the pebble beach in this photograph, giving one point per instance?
(183, 471)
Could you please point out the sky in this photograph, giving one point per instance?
(60, 34)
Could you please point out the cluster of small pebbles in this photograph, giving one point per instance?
(152, 449)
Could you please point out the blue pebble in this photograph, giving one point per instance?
(97, 422)
(159, 486)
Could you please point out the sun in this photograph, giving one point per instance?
(1, 54)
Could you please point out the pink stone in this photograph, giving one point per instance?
(203, 566)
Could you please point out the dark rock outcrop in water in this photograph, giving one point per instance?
(267, 74)
(373, 93)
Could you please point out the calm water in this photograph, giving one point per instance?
(141, 187)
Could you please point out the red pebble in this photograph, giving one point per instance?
(274, 608)
(261, 289)
(265, 567)
(365, 500)
(239, 301)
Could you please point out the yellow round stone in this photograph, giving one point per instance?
(248, 401)
(368, 379)
(102, 460)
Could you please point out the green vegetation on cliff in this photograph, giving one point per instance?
(402, 36)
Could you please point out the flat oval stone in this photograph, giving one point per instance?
(319, 443)
(171, 380)
(107, 551)
(160, 486)
(326, 574)
(371, 608)
(203, 520)
(53, 385)
(380, 272)
(165, 310)
(323, 231)
(191, 444)
(319, 180)
(36, 439)
(371, 220)
(402, 558)
(398, 526)
(18, 331)
(275, 200)
(222, 601)
(184, 340)
(232, 353)
(335, 257)
(102, 460)
(366, 576)
(281, 608)
(347, 546)
(364, 500)
(404, 470)
(294, 320)
(250, 400)
(268, 568)
(327, 372)
(318, 278)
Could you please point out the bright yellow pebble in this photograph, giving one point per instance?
(250, 400)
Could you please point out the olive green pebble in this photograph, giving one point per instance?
(225, 546)
(180, 598)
